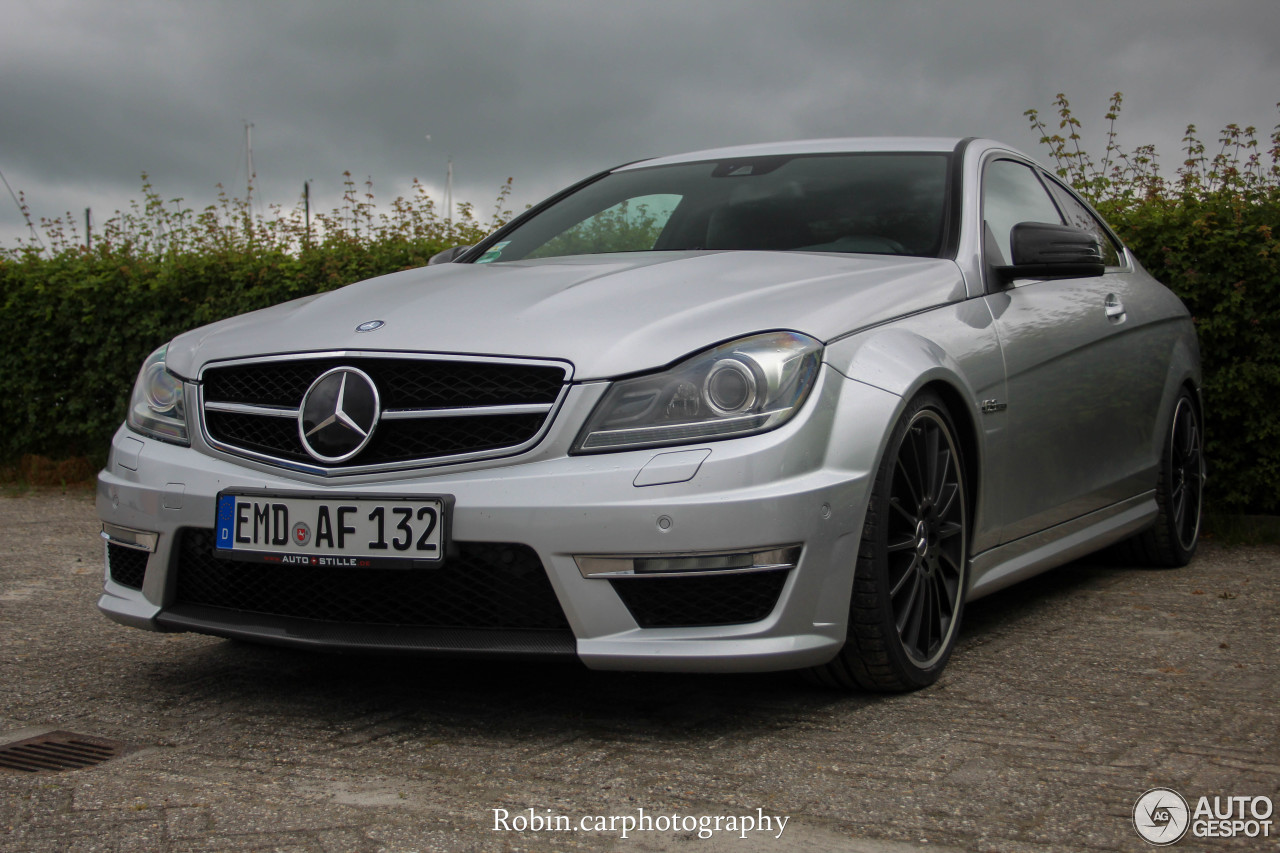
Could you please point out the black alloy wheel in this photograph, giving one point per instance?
(926, 538)
(1186, 466)
(1171, 541)
(912, 571)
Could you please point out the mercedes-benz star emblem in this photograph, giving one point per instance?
(339, 412)
(371, 325)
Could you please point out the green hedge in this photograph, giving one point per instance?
(1220, 255)
(77, 322)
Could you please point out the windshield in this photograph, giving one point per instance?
(886, 204)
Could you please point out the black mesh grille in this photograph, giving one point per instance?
(692, 601)
(480, 585)
(128, 565)
(394, 441)
(402, 384)
(273, 436)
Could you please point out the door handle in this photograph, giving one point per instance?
(1114, 308)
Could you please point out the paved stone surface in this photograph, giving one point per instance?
(1067, 698)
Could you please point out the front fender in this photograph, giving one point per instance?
(954, 352)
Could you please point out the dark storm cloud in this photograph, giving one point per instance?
(95, 93)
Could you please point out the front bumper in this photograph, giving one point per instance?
(805, 483)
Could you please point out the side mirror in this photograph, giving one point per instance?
(1041, 250)
(447, 256)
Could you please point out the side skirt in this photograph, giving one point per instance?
(1018, 560)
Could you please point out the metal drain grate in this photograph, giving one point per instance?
(58, 751)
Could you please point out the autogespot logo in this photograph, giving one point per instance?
(1161, 816)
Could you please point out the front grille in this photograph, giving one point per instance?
(403, 383)
(426, 388)
(728, 599)
(481, 585)
(128, 566)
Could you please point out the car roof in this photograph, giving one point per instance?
(857, 144)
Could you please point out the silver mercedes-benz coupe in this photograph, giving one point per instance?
(782, 406)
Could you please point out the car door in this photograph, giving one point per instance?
(1079, 395)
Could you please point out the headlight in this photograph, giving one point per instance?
(740, 388)
(157, 407)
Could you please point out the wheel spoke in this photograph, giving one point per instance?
(941, 607)
(895, 503)
(906, 576)
(948, 596)
(944, 473)
(951, 561)
(949, 529)
(926, 620)
(932, 472)
(902, 544)
(909, 608)
(917, 454)
(1188, 430)
(947, 499)
(906, 481)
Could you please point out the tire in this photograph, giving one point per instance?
(912, 569)
(1171, 541)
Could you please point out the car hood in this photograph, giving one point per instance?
(607, 315)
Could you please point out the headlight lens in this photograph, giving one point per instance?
(157, 407)
(740, 388)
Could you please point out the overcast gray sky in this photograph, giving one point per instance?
(94, 93)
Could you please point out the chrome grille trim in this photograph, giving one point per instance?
(260, 411)
(390, 414)
(466, 412)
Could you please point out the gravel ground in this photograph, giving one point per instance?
(1067, 697)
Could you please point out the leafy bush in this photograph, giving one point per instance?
(1210, 233)
(77, 322)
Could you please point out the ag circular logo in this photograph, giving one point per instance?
(339, 412)
(1161, 816)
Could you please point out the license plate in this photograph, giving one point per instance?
(353, 532)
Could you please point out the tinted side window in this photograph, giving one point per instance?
(1079, 216)
(1011, 194)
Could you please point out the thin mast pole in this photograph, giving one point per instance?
(248, 144)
